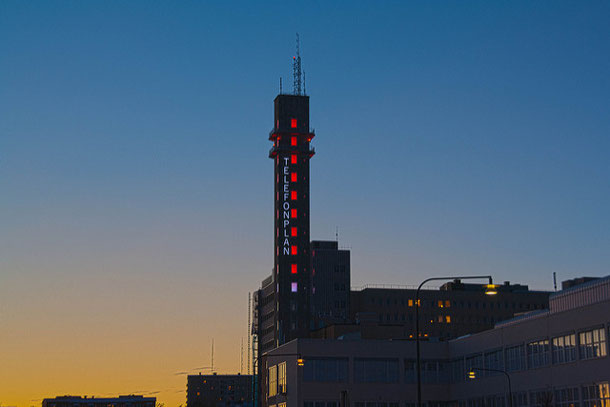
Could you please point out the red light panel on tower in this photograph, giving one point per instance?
(293, 159)
(293, 141)
(293, 250)
(293, 213)
(293, 269)
(293, 123)
(293, 231)
(293, 195)
(293, 177)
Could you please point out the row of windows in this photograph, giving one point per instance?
(460, 304)
(472, 319)
(591, 344)
(589, 395)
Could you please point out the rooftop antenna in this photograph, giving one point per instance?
(555, 280)
(304, 88)
(337, 233)
(296, 70)
(212, 356)
(280, 85)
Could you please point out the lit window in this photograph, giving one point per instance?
(293, 269)
(293, 195)
(293, 250)
(447, 304)
(293, 141)
(293, 177)
(410, 302)
(293, 123)
(293, 287)
(440, 303)
(293, 159)
(293, 231)
(448, 319)
(293, 213)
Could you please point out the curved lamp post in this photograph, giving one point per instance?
(472, 375)
(490, 289)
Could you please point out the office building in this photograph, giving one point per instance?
(219, 390)
(453, 310)
(553, 357)
(330, 284)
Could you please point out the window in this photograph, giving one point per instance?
(515, 358)
(538, 353)
(592, 344)
(596, 395)
(272, 390)
(325, 370)
(293, 177)
(281, 377)
(541, 398)
(293, 195)
(410, 374)
(520, 399)
(567, 397)
(375, 370)
(434, 371)
(293, 287)
(293, 123)
(293, 158)
(564, 349)
(458, 373)
(494, 361)
(474, 361)
(293, 141)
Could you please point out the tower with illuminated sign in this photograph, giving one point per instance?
(291, 152)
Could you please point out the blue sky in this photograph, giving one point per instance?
(452, 137)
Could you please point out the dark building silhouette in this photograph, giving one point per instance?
(121, 401)
(219, 390)
(330, 284)
(291, 152)
(454, 310)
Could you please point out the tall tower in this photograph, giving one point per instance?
(291, 152)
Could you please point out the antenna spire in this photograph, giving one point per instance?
(296, 70)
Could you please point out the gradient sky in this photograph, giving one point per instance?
(136, 196)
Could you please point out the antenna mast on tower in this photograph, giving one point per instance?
(296, 71)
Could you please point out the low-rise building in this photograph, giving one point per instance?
(121, 401)
(219, 390)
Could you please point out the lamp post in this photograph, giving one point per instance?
(472, 375)
(489, 290)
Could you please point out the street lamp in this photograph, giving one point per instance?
(490, 289)
(472, 375)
